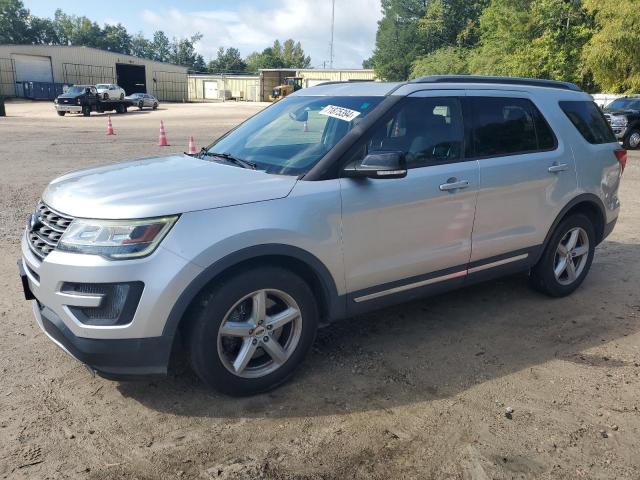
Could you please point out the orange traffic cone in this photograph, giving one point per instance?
(110, 127)
(305, 128)
(192, 145)
(162, 140)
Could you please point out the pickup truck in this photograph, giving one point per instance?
(85, 99)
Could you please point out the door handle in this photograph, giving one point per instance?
(452, 184)
(555, 168)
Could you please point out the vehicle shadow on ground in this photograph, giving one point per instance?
(433, 348)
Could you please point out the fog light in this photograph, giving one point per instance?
(118, 305)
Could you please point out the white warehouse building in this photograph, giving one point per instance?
(40, 71)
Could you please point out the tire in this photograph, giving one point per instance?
(632, 139)
(61, 114)
(86, 110)
(122, 96)
(155, 106)
(222, 367)
(543, 275)
(140, 105)
(105, 96)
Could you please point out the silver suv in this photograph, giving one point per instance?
(337, 200)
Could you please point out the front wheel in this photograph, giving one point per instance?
(155, 106)
(61, 114)
(249, 333)
(105, 96)
(632, 140)
(122, 96)
(140, 105)
(86, 110)
(567, 258)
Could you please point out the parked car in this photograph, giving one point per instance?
(624, 116)
(142, 100)
(85, 99)
(110, 91)
(339, 199)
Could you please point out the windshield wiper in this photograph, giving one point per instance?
(231, 159)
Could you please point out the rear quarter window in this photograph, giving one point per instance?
(589, 121)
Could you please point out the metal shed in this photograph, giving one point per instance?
(39, 71)
(271, 78)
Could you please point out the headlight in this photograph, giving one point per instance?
(619, 121)
(116, 239)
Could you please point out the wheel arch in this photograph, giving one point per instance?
(301, 262)
(588, 204)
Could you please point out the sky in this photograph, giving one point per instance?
(249, 25)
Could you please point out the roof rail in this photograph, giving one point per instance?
(532, 82)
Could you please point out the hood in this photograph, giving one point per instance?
(160, 186)
(617, 111)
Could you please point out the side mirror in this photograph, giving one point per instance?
(379, 165)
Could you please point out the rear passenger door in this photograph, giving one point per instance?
(527, 174)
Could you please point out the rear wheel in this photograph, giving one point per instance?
(249, 333)
(567, 257)
(632, 139)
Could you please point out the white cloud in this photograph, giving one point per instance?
(250, 29)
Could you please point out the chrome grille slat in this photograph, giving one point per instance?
(49, 228)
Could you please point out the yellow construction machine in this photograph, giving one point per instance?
(291, 84)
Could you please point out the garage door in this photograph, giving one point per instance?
(211, 90)
(32, 68)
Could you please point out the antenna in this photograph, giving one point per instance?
(333, 17)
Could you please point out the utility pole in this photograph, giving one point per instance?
(333, 18)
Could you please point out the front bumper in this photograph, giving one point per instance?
(61, 107)
(140, 347)
(619, 132)
(113, 359)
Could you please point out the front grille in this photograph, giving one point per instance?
(45, 228)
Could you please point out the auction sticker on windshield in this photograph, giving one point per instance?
(340, 113)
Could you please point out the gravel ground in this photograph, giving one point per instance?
(415, 391)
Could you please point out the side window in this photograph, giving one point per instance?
(428, 130)
(589, 121)
(507, 126)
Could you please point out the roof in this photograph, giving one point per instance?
(532, 82)
(38, 46)
(347, 89)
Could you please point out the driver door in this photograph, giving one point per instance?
(404, 236)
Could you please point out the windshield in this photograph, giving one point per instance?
(102, 86)
(624, 103)
(75, 90)
(137, 95)
(291, 136)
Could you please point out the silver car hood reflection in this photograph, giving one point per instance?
(161, 186)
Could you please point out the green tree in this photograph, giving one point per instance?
(115, 38)
(534, 38)
(227, 60)
(397, 40)
(14, 22)
(611, 53)
(182, 51)
(287, 55)
(140, 46)
(160, 47)
(444, 61)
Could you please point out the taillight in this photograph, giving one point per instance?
(621, 155)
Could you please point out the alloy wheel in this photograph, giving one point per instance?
(259, 333)
(571, 256)
(634, 139)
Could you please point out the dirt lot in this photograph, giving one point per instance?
(417, 391)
